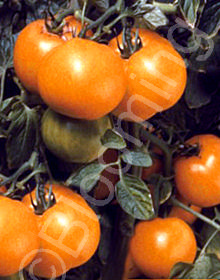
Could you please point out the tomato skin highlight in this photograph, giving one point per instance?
(69, 234)
(156, 76)
(159, 244)
(19, 236)
(82, 79)
(197, 177)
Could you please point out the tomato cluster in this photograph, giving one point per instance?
(82, 81)
(65, 236)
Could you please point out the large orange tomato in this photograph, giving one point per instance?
(197, 177)
(33, 42)
(82, 79)
(156, 79)
(157, 245)
(19, 236)
(69, 234)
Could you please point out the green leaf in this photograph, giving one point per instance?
(214, 244)
(155, 18)
(86, 177)
(113, 140)
(204, 266)
(22, 134)
(189, 9)
(134, 197)
(137, 158)
(162, 188)
(179, 270)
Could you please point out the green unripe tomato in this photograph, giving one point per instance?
(74, 140)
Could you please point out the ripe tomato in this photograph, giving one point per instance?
(69, 234)
(32, 44)
(157, 245)
(19, 236)
(73, 140)
(82, 79)
(197, 177)
(156, 79)
(182, 214)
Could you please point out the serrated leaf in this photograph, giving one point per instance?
(137, 158)
(155, 18)
(134, 197)
(86, 177)
(204, 266)
(189, 9)
(113, 140)
(214, 244)
(22, 134)
(201, 268)
(210, 20)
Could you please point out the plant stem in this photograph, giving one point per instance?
(164, 147)
(176, 202)
(2, 87)
(123, 231)
(124, 227)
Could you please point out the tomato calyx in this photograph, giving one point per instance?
(188, 150)
(45, 199)
(129, 45)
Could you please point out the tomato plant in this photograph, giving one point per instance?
(121, 87)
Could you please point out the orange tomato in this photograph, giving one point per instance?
(73, 83)
(156, 79)
(33, 43)
(69, 234)
(157, 245)
(197, 177)
(19, 236)
(182, 214)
